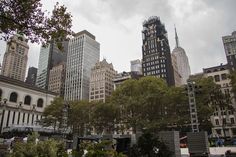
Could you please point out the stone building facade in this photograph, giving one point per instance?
(101, 81)
(57, 79)
(223, 119)
(21, 104)
(15, 58)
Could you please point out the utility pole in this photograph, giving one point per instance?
(191, 87)
(65, 119)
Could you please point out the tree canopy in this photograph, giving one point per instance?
(28, 18)
(147, 103)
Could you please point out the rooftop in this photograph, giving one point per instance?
(85, 32)
(23, 84)
(215, 68)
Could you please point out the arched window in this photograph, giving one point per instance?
(27, 100)
(40, 102)
(13, 97)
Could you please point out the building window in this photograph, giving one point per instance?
(217, 78)
(27, 100)
(232, 121)
(217, 121)
(40, 103)
(13, 97)
(223, 76)
(224, 121)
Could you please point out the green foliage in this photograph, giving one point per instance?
(208, 98)
(103, 117)
(28, 18)
(102, 149)
(31, 148)
(149, 146)
(53, 113)
(149, 103)
(79, 116)
(145, 103)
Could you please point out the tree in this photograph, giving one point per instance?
(101, 149)
(103, 117)
(126, 97)
(28, 18)
(209, 97)
(31, 148)
(149, 146)
(53, 113)
(148, 103)
(79, 117)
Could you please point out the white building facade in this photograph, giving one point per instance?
(21, 104)
(83, 54)
(181, 61)
(223, 120)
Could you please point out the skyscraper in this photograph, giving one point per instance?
(181, 61)
(32, 75)
(136, 66)
(156, 51)
(49, 56)
(83, 54)
(101, 81)
(229, 42)
(57, 77)
(177, 76)
(15, 58)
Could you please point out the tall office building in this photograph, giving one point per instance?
(156, 51)
(15, 58)
(177, 76)
(101, 81)
(136, 66)
(181, 60)
(57, 77)
(230, 50)
(49, 57)
(83, 54)
(32, 75)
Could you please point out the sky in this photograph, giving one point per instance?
(117, 25)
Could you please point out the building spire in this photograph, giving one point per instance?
(176, 38)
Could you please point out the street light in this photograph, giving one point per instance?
(2, 112)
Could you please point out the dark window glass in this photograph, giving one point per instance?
(13, 97)
(217, 78)
(27, 100)
(232, 120)
(40, 103)
(223, 76)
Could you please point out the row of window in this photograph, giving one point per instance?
(218, 78)
(27, 99)
(217, 122)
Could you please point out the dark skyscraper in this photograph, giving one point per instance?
(156, 51)
(32, 75)
(49, 57)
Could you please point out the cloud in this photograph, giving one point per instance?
(117, 25)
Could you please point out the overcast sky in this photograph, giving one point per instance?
(117, 25)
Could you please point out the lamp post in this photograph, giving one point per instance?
(65, 112)
(2, 112)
